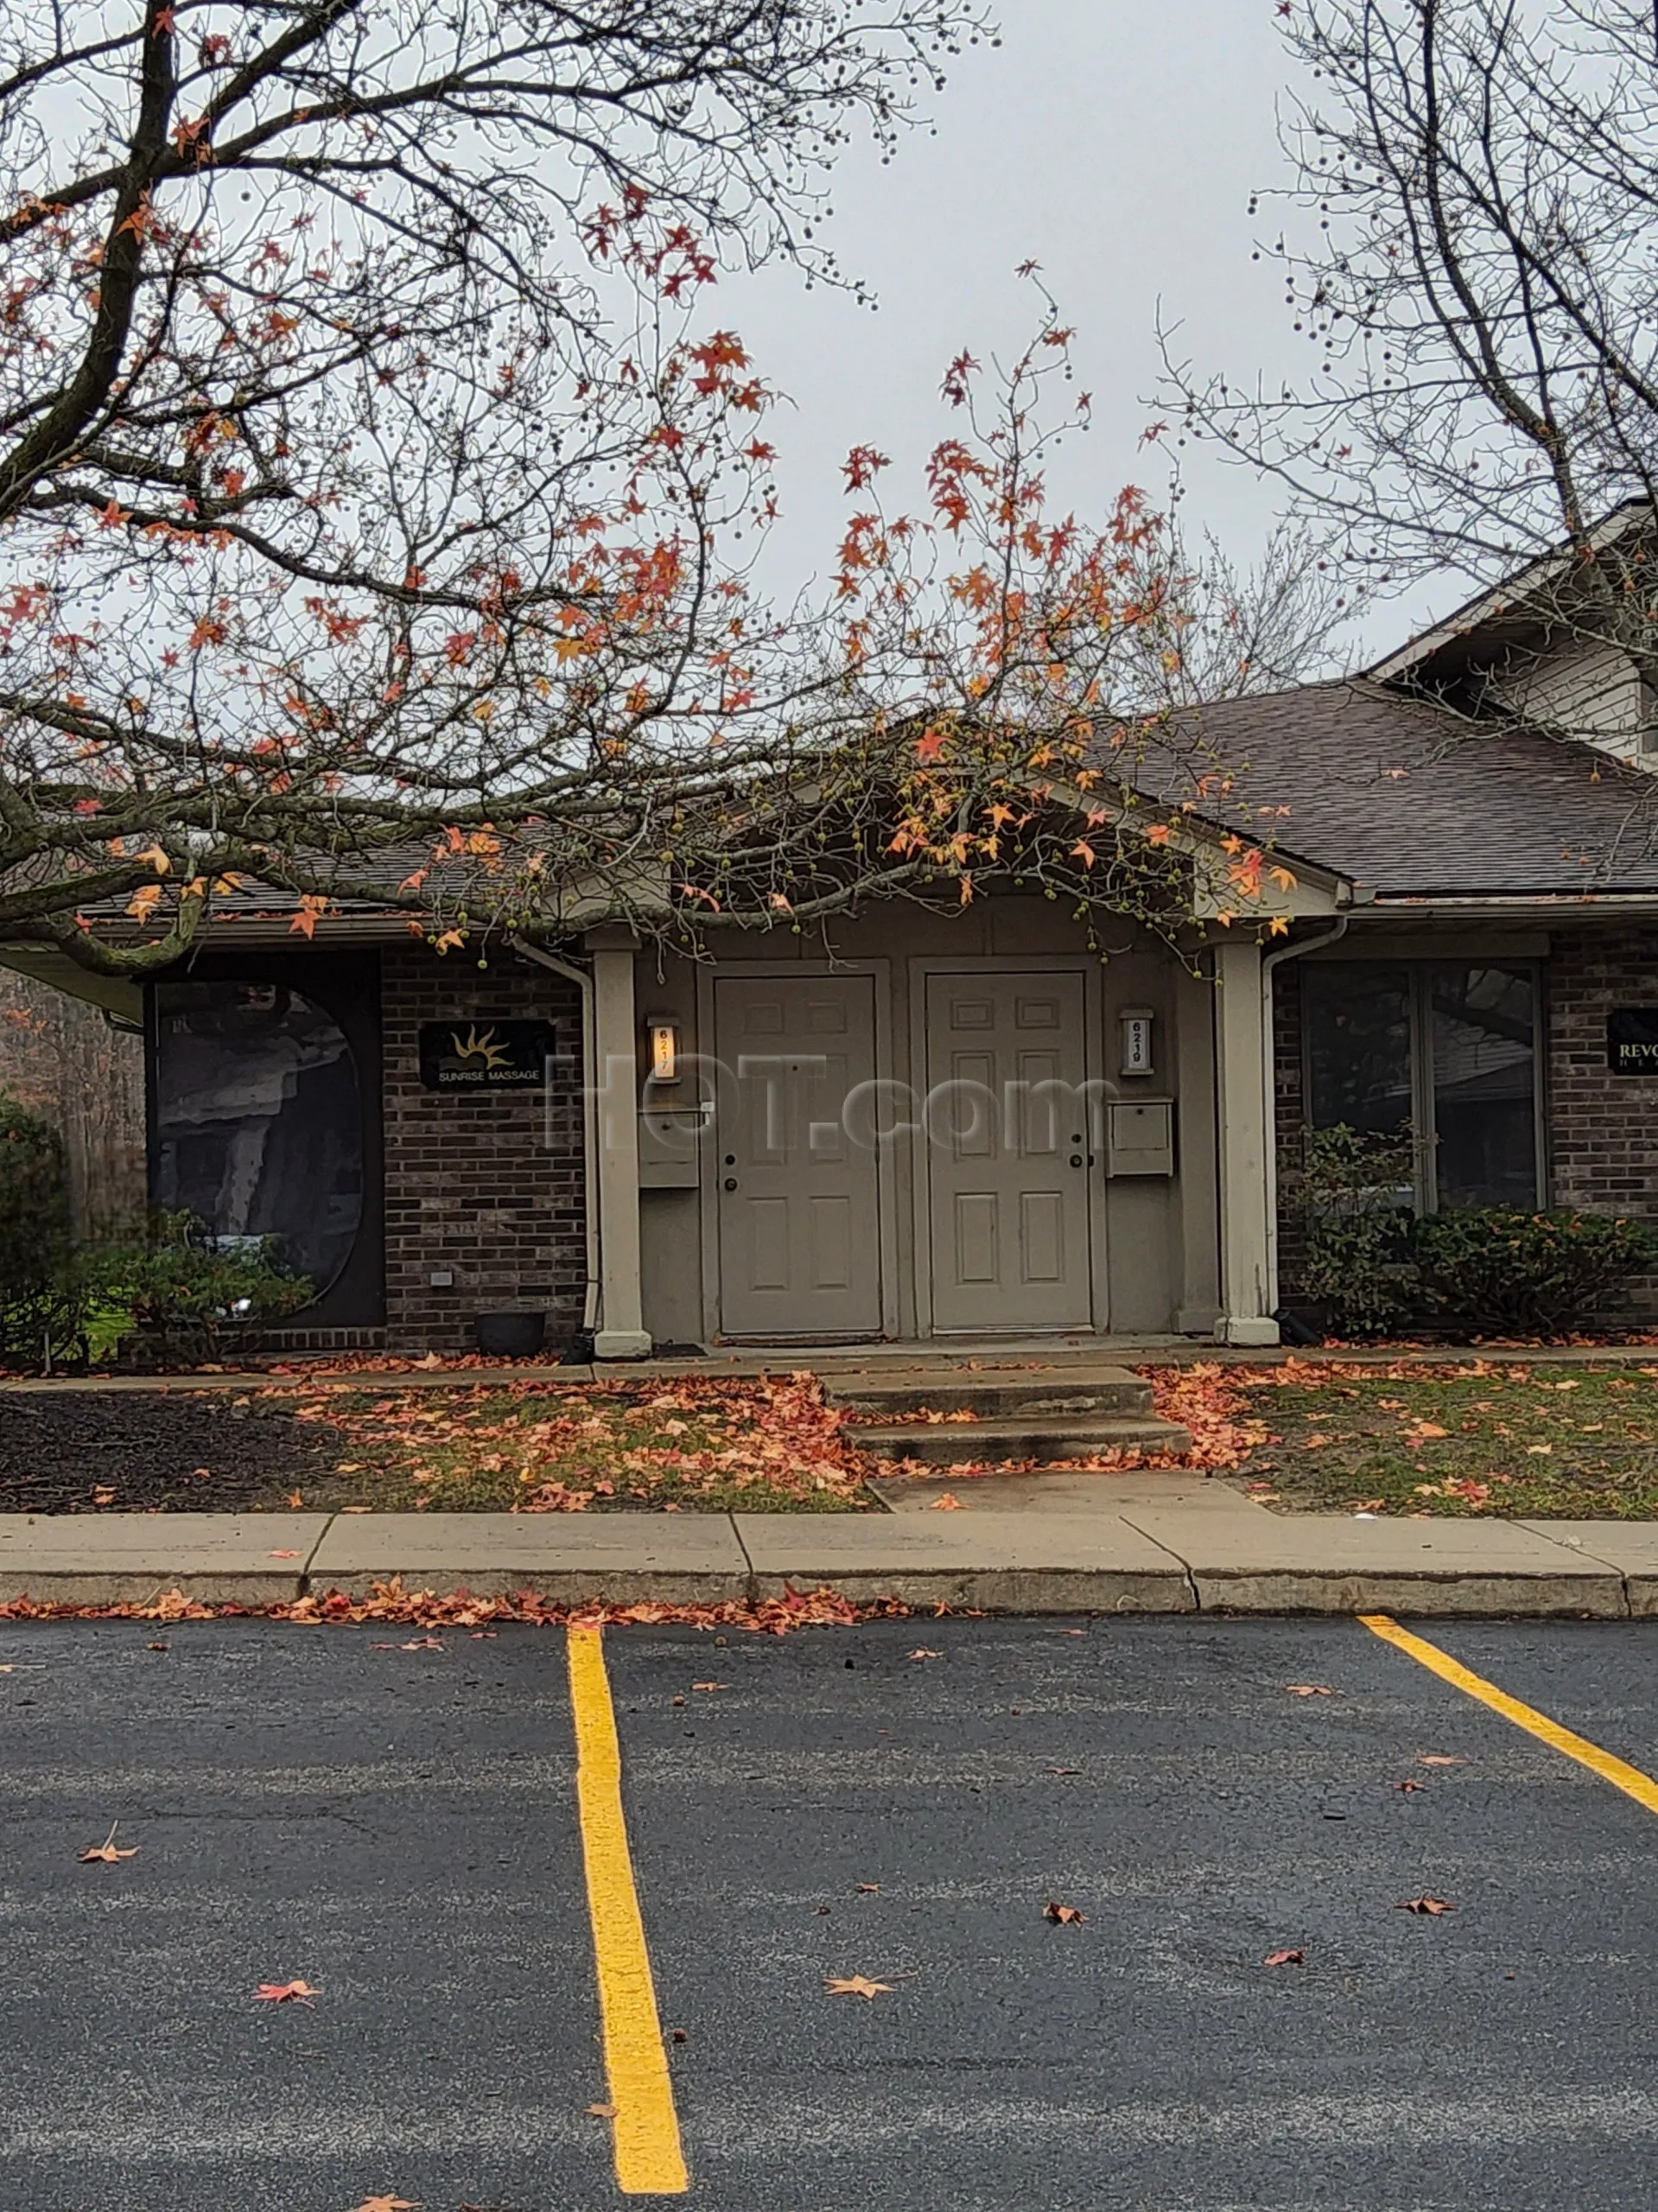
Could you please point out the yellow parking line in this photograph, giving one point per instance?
(1628, 1779)
(645, 2128)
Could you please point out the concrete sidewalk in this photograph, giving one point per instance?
(833, 1361)
(1141, 1557)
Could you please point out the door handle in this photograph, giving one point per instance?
(731, 1182)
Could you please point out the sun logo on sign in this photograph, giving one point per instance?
(474, 1047)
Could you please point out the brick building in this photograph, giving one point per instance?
(919, 1125)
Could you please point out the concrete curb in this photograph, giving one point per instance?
(1141, 1559)
(995, 1562)
(130, 1559)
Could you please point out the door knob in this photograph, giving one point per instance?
(731, 1182)
(1076, 1160)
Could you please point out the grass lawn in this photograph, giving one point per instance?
(704, 1445)
(1567, 1443)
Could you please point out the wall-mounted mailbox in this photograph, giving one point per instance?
(669, 1145)
(1141, 1137)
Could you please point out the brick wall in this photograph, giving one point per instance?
(1603, 1129)
(472, 1184)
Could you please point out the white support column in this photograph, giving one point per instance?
(1241, 1043)
(621, 1334)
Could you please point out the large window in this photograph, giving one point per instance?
(1447, 1049)
(259, 1127)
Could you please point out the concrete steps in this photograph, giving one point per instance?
(956, 1443)
(1025, 1413)
(993, 1393)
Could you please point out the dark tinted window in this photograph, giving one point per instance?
(1459, 1040)
(259, 1126)
(1358, 1045)
(1484, 1117)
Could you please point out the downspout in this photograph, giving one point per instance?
(583, 982)
(1269, 1076)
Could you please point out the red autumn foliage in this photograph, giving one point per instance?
(390, 1601)
(767, 1439)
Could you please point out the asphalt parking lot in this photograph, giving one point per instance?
(397, 1822)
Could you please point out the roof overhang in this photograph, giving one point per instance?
(113, 994)
(1510, 606)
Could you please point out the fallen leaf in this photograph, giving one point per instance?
(1285, 1959)
(1064, 1769)
(386, 2204)
(711, 1686)
(105, 1853)
(158, 1647)
(282, 1555)
(922, 1652)
(103, 1495)
(284, 1993)
(869, 1889)
(294, 1500)
(422, 1643)
(947, 1504)
(1441, 1758)
(679, 2035)
(603, 2112)
(1408, 1786)
(857, 1986)
(1065, 1915)
(1429, 1907)
(1309, 1689)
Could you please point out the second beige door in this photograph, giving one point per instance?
(1007, 1152)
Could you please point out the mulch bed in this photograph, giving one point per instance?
(152, 1450)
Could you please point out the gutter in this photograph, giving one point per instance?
(583, 982)
(1581, 906)
(1269, 1085)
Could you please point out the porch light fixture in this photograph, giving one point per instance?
(1136, 1026)
(664, 1032)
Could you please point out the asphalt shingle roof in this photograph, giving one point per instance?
(1416, 802)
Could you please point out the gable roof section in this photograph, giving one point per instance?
(1413, 802)
(1516, 615)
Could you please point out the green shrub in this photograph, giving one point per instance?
(40, 1309)
(1353, 1205)
(1528, 1274)
(186, 1293)
(34, 1199)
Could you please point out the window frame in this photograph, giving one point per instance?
(1419, 968)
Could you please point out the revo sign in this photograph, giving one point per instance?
(1632, 1040)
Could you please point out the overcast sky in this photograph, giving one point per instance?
(1115, 142)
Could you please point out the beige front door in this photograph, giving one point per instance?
(1007, 1152)
(798, 1204)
